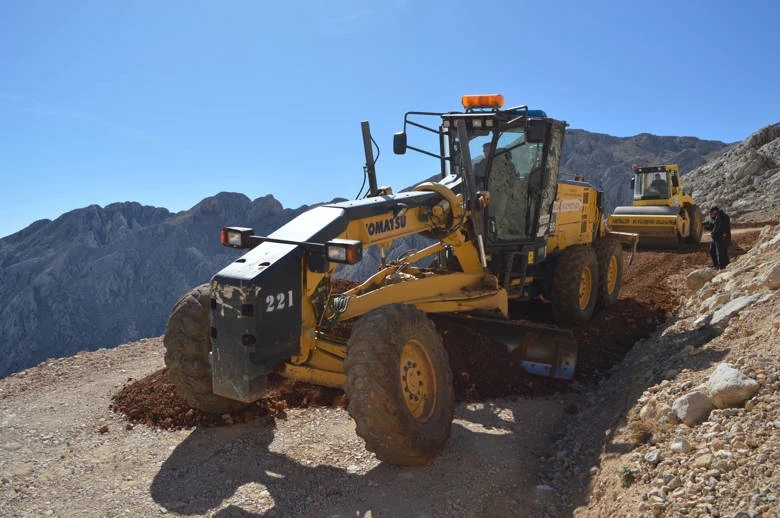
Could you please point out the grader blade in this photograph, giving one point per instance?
(545, 350)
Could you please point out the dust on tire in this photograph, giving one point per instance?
(609, 254)
(575, 285)
(394, 425)
(187, 346)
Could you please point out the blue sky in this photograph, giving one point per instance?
(167, 103)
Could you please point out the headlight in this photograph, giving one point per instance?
(344, 251)
(235, 237)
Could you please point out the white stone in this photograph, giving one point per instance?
(721, 317)
(680, 444)
(698, 278)
(692, 408)
(771, 279)
(653, 457)
(729, 388)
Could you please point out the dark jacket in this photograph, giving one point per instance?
(721, 226)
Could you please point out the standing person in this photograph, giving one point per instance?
(721, 237)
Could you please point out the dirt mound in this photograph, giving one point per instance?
(153, 400)
(652, 287)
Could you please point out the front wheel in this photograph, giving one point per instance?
(399, 385)
(187, 346)
(574, 285)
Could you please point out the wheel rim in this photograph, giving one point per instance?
(612, 274)
(418, 382)
(586, 285)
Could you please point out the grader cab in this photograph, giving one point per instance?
(502, 226)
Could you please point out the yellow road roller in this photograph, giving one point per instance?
(663, 213)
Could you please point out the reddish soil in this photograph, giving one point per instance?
(652, 286)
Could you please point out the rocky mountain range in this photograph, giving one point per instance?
(101, 276)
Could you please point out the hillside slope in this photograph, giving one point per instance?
(745, 180)
(660, 436)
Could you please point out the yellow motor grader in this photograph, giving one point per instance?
(663, 213)
(502, 226)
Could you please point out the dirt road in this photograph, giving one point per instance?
(63, 452)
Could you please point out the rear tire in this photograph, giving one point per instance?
(187, 346)
(574, 285)
(694, 216)
(609, 253)
(399, 385)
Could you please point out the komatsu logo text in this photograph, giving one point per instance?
(386, 225)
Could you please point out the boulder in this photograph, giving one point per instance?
(692, 408)
(729, 388)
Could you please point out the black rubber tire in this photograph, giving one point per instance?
(403, 415)
(694, 215)
(574, 289)
(187, 345)
(609, 254)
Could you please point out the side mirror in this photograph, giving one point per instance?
(633, 180)
(535, 131)
(399, 143)
(675, 180)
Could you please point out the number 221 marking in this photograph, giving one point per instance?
(279, 301)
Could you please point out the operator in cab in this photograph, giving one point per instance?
(659, 184)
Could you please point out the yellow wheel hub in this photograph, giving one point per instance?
(418, 380)
(586, 287)
(612, 274)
